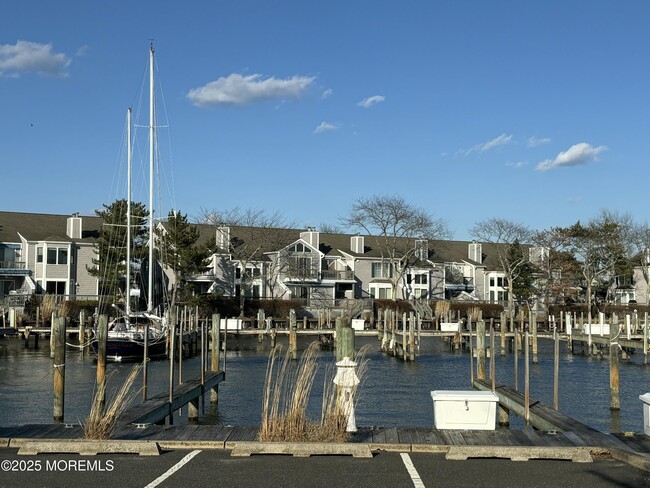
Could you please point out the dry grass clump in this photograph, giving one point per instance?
(48, 304)
(287, 389)
(442, 308)
(101, 421)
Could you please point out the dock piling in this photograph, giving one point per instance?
(59, 369)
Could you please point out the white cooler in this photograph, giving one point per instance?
(464, 410)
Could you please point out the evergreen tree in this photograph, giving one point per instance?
(109, 265)
(179, 251)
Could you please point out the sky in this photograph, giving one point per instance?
(535, 112)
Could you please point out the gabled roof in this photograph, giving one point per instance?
(44, 227)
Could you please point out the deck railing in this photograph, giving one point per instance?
(329, 274)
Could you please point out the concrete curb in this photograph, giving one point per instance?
(640, 461)
(4, 442)
(89, 447)
(575, 454)
(302, 449)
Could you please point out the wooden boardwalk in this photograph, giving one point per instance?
(225, 436)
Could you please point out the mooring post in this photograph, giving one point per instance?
(533, 321)
(404, 343)
(556, 368)
(411, 336)
(480, 350)
(82, 331)
(53, 318)
(293, 335)
(214, 366)
(527, 377)
(516, 361)
(172, 350)
(502, 322)
(102, 338)
(614, 381)
(645, 338)
(59, 369)
(344, 339)
(493, 373)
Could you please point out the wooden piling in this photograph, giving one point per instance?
(493, 373)
(533, 322)
(645, 339)
(172, 351)
(480, 350)
(214, 365)
(293, 336)
(59, 369)
(344, 339)
(411, 337)
(614, 381)
(102, 338)
(502, 321)
(516, 360)
(556, 368)
(526, 378)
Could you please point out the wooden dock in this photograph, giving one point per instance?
(548, 444)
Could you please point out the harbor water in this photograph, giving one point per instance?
(392, 393)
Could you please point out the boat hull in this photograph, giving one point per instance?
(128, 350)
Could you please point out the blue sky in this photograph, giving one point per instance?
(536, 112)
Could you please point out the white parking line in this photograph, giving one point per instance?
(413, 473)
(173, 469)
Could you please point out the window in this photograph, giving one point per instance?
(55, 255)
(421, 279)
(383, 293)
(420, 293)
(237, 272)
(491, 280)
(39, 254)
(55, 287)
(381, 270)
(299, 247)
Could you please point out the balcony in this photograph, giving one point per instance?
(335, 275)
(13, 268)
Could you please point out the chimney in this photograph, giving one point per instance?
(74, 227)
(476, 252)
(422, 249)
(357, 244)
(311, 236)
(223, 237)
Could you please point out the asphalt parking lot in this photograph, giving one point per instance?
(216, 468)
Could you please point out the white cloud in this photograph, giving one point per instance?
(31, 57)
(236, 89)
(325, 127)
(327, 93)
(486, 146)
(534, 141)
(517, 165)
(496, 142)
(370, 101)
(576, 155)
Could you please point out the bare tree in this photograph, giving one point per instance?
(640, 240)
(505, 234)
(599, 248)
(395, 225)
(254, 232)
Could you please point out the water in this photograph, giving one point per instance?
(392, 394)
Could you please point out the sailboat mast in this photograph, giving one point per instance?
(151, 172)
(128, 214)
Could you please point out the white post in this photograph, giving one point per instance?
(628, 326)
(346, 379)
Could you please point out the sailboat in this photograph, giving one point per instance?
(138, 336)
